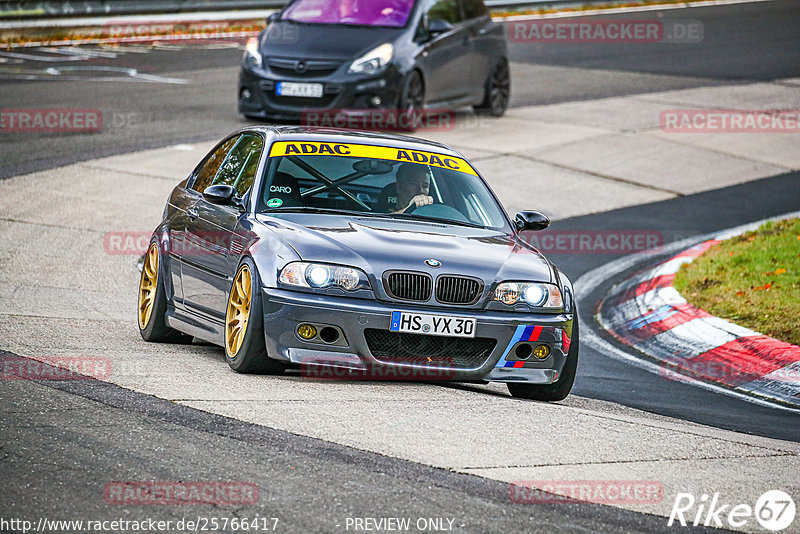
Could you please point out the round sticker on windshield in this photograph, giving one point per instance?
(274, 203)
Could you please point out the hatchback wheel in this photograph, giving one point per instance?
(498, 91)
(412, 98)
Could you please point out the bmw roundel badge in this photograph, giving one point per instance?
(433, 263)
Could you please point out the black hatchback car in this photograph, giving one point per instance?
(352, 56)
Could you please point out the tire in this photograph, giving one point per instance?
(558, 390)
(152, 302)
(412, 97)
(245, 349)
(497, 93)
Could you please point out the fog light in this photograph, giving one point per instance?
(246, 94)
(541, 352)
(375, 101)
(306, 331)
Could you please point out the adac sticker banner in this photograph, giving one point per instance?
(300, 148)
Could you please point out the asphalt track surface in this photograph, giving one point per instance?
(314, 485)
(741, 43)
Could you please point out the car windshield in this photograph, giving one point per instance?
(392, 13)
(367, 180)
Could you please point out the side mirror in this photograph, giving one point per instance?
(439, 26)
(531, 220)
(220, 194)
(274, 17)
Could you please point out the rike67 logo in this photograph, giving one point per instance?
(774, 510)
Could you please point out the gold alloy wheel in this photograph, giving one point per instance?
(238, 311)
(148, 286)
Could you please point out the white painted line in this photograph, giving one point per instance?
(136, 39)
(39, 57)
(81, 52)
(206, 16)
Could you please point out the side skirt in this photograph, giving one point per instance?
(191, 324)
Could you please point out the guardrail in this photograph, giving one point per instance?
(83, 8)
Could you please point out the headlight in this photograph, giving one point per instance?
(252, 57)
(322, 276)
(530, 293)
(374, 61)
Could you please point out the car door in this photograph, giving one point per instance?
(484, 35)
(209, 229)
(446, 56)
(185, 203)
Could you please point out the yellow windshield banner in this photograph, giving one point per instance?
(307, 148)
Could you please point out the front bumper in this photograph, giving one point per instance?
(341, 91)
(285, 310)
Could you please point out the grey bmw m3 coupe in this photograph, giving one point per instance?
(376, 255)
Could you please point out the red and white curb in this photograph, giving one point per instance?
(647, 313)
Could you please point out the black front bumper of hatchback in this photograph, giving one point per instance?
(342, 92)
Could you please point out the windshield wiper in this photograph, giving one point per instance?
(328, 211)
(334, 211)
(438, 220)
(312, 209)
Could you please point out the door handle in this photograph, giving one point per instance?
(193, 213)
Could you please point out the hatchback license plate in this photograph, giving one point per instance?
(307, 90)
(433, 325)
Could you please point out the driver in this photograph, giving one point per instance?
(413, 185)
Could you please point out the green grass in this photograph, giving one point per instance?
(752, 280)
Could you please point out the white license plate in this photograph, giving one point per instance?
(307, 90)
(432, 325)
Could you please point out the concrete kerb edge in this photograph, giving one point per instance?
(589, 282)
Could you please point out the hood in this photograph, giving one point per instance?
(292, 40)
(377, 245)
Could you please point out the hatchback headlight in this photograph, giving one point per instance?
(252, 56)
(373, 62)
(531, 293)
(323, 276)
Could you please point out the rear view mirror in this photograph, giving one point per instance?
(220, 194)
(531, 220)
(372, 167)
(439, 26)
